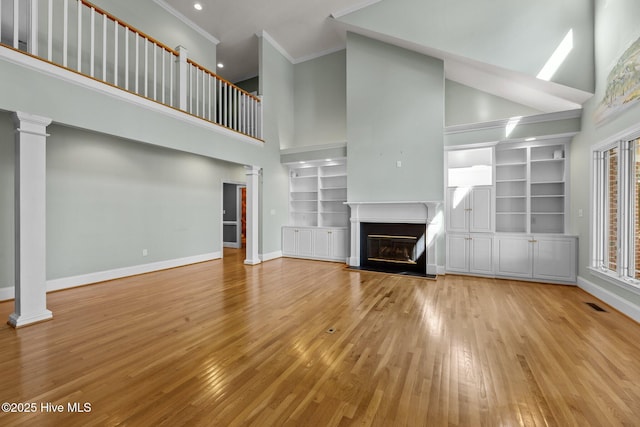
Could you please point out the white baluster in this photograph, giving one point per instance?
(146, 66)
(162, 85)
(115, 53)
(155, 71)
(79, 9)
(104, 48)
(50, 31)
(92, 54)
(33, 27)
(171, 65)
(126, 58)
(65, 31)
(137, 73)
(16, 24)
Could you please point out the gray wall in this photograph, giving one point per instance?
(320, 101)
(108, 199)
(7, 153)
(464, 104)
(616, 29)
(516, 35)
(276, 84)
(395, 112)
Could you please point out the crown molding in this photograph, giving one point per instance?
(263, 34)
(353, 8)
(166, 6)
(538, 118)
(318, 54)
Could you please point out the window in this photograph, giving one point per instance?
(616, 207)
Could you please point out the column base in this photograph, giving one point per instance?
(18, 321)
(252, 261)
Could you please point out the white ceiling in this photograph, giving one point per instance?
(302, 27)
(305, 29)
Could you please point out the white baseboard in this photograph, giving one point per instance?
(615, 301)
(441, 271)
(270, 256)
(7, 293)
(101, 276)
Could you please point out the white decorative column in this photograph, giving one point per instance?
(30, 220)
(253, 182)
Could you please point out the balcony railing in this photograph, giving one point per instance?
(80, 36)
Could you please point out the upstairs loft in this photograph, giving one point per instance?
(77, 36)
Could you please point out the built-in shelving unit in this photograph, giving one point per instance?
(317, 194)
(318, 215)
(530, 189)
(511, 190)
(547, 189)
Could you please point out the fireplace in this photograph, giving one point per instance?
(396, 237)
(397, 248)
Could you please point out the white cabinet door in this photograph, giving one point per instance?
(457, 202)
(457, 253)
(513, 256)
(288, 241)
(554, 258)
(480, 216)
(322, 244)
(481, 254)
(305, 242)
(339, 245)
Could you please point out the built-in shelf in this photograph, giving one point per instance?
(530, 188)
(317, 193)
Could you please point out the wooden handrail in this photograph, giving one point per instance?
(164, 46)
(212, 74)
(130, 27)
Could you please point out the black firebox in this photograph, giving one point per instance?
(393, 247)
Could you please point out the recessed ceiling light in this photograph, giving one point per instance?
(327, 160)
(197, 6)
(530, 139)
(220, 65)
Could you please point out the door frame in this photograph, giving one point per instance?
(237, 222)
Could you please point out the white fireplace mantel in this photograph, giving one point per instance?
(428, 213)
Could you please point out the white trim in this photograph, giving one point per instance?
(441, 270)
(276, 45)
(17, 321)
(624, 306)
(311, 148)
(353, 8)
(615, 279)
(320, 54)
(163, 4)
(270, 256)
(468, 146)
(118, 273)
(89, 83)
(101, 276)
(537, 118)
(7, 293)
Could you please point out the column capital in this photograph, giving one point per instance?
(31, 123)
(252, 170)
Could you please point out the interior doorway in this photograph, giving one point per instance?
(234, 215)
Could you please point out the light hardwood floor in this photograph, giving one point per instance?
(224, 344)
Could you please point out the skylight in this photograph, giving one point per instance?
(558, 57)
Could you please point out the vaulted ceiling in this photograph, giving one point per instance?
(496, 46)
